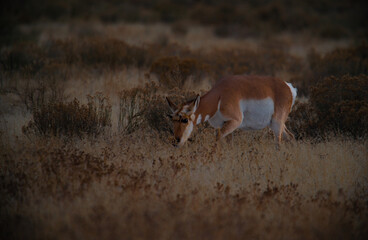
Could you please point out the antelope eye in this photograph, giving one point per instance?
(184, 120)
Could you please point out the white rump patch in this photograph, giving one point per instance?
(293, 91)
(257, 114)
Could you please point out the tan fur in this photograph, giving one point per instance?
(231, 90)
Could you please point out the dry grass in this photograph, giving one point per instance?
(142, 189)
(129, 182)
(71, 119)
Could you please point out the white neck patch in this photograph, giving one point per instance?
(199, 119)
(186, 133)
(192, 117)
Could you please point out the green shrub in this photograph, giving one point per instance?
(72, 118)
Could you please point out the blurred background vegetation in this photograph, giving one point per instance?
(37, 66)
(325, 18)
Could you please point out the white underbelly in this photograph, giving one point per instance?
(257, 114)
(217, 120)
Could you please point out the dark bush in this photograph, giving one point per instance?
(271, 57)
(72, 118)
(35, 94)
(89, 52)
(227, 62)
(174, 71)
(54, 72)
(341, 104)
(337, 105)
(332, 31)
(234, 31)
(26, 57)
(157, 119)
(110, 52)
(63, 51)
(179, 28)
(303, 121)
(341, 61)
(328, 18)
(97, 52)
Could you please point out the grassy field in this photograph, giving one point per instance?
(86, 145)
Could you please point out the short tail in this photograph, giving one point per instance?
(294, 92)
(219, 104)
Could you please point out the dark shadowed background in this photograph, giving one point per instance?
(85, 142)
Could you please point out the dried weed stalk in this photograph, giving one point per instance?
(133, 105)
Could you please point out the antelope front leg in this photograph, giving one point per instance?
(288, 135)
(227, 128)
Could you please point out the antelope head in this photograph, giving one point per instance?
(183, 118)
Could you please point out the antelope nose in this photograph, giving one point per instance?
(177, 139)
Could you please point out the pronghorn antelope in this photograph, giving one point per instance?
(245, 102)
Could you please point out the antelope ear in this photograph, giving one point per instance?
(194, 105)
(172, 106)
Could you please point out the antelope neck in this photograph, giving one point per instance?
(200, 117)
(208, 106)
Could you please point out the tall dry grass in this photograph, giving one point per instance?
(134, 188)
(123, 179)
